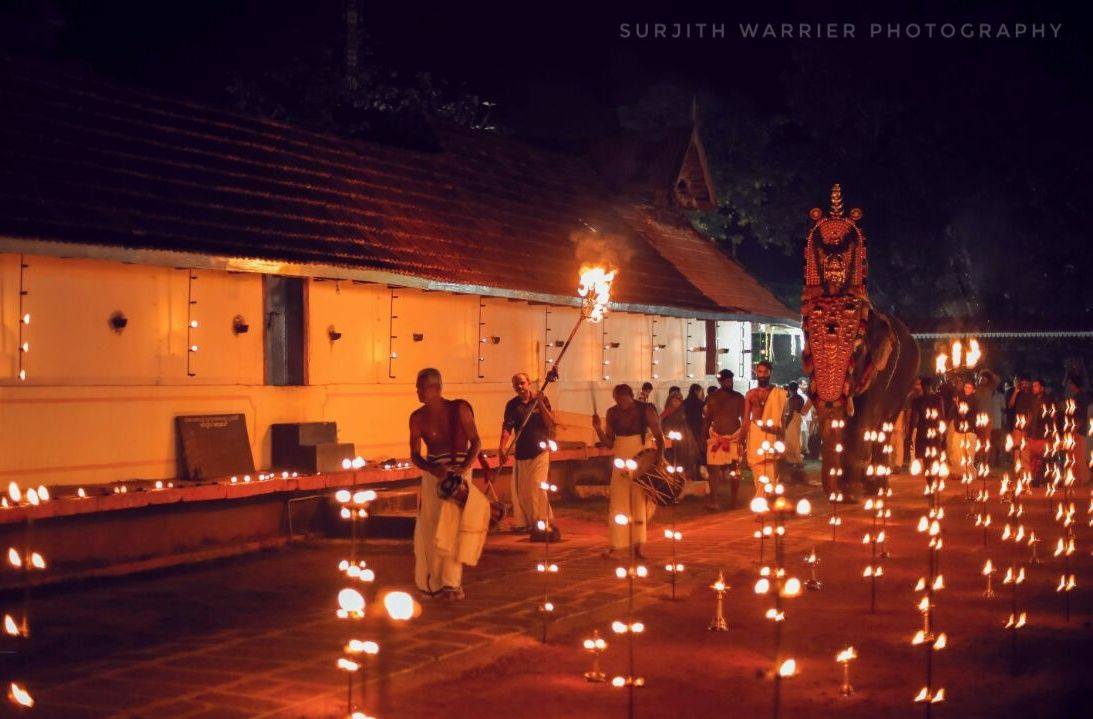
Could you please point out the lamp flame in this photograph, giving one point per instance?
(19, 695)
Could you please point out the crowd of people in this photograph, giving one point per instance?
(1026, 409)
(713, 433)
(720, 428)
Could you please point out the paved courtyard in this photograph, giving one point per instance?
(256, 636)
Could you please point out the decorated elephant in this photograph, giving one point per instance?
(861, 362)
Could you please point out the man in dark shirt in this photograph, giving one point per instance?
(926, 413)
(531, 465)
(1036, 432)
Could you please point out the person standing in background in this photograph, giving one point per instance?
(531, 463)
(763, 409)
(722, 422)
(1075, 392)
(693, 406)
(674, 419)
(791, 424)
(986, 387)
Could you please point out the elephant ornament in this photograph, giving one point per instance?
(861, 362)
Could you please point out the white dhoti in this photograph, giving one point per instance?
(763, 462)
(722, 449)
(1081, 459)
(447, 536)
(899, 437)
(627, 498)
(530, 502)
(961, 450)
(793, 440)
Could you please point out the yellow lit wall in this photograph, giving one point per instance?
(98, 405)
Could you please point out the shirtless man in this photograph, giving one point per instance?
(722, 419)
(764, 407)
(628, 423)
(446, 536)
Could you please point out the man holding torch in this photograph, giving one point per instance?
(629, 422)
(531, 465)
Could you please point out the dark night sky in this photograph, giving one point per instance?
(561, 64)
(560, 70)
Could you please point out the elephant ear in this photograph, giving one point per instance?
(873, 354)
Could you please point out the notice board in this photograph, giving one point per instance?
(212, 446)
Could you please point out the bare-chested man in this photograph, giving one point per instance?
(629, 422)
(446, 535)
(722, 420)
(764, 407)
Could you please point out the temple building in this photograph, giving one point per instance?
(173, 259)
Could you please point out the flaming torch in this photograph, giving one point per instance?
(595, 293)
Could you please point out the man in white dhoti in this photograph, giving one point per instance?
(449, 532)
(962, 431)
(531, 463)
(722, 418)
(791, 423)
(629, 422)
(764, 407)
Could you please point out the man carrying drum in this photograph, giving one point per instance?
(629, 422)
(454, 513)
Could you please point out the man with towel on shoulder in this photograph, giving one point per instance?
(453, 512)
(764, 407)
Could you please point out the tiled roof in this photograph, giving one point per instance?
(707, 268)
(86, 162)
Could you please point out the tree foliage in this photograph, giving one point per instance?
(316, 88)
(963, 219)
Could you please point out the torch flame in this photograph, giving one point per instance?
(973, 354)
(595, 290)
